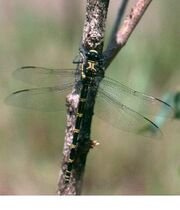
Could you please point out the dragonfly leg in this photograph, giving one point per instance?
(93, 144)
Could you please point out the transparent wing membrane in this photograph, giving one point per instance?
(121, 116)
(44, 76)
(140, 102)
(119, 105)
(44, 99)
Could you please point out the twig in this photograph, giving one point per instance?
(117, 23)
(125, 30)
(93, 36)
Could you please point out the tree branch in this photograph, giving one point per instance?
(93, 38)
(125, 30)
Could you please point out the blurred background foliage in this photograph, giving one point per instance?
(47, 33)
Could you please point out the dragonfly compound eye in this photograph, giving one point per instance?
(93, 55)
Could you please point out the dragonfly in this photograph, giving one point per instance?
(116, 103)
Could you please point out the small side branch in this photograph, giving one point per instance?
(117, 23)
(125, 30)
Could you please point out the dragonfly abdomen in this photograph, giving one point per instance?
(79, 117)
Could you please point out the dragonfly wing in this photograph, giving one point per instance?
(44, 76)
(121, 116)
(44, 99)
(140, 102)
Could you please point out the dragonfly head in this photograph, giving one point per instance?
(93, 55)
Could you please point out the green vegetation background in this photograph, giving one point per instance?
(47, 33)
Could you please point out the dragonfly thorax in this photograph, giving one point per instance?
(92, 65)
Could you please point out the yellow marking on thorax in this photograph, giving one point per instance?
(82, 71)
(91, 65)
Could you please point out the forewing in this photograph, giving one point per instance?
(44, 76)
(140, 102)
